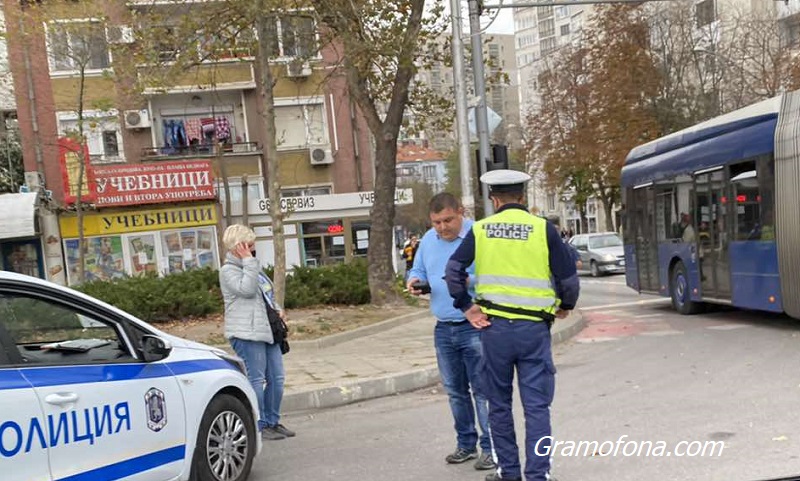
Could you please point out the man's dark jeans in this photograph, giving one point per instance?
(458, 351)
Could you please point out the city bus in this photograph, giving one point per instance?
(711, 214)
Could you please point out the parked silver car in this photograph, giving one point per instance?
(600, 253)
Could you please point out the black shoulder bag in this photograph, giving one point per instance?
(279, 329)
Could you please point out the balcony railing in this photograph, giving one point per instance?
(200, 151)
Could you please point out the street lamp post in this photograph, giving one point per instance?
(462, 121)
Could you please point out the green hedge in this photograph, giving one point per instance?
(196, 293)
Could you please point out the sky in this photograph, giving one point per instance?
(504, 23)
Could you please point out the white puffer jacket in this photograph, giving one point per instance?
(245, 308)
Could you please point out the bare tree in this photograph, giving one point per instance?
(382, 44)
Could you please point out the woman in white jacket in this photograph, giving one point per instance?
(247, 291)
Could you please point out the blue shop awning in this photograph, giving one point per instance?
(18, 215)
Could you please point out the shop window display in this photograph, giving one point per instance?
(104, 258)
(142, 254)
(187, 249)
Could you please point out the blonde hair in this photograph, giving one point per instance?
(236, 234)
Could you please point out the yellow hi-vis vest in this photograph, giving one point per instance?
(512, 265)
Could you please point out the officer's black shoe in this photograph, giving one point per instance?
(461, 455)
(496, 477)
(485, 462)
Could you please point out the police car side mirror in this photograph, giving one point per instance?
(154, 348)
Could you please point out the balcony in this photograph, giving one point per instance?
(239, 149)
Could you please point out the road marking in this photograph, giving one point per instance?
(661, 333)
(625, 304)
(645, 316)
(596, 281)
(589, 340)
(727, 327)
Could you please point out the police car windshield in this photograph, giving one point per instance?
(601, 241)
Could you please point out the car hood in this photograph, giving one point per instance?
(614, 251)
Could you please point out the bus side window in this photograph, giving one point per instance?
(746, 199)
(766, 184)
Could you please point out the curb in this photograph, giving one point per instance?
(391, 384)
(338, 338)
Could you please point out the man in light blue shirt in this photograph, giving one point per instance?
(458, 344)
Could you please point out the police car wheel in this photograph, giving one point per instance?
(226, 442)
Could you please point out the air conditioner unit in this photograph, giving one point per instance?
(119, 34)
(320, 156)
(298, 69)
(137, 119)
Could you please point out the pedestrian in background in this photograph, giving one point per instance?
(457, 342)
(409, 252)
(248, 294)
(556, 221)
(525, 278)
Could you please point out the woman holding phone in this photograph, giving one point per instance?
(248, 293)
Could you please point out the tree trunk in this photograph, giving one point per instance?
(584, 219)
(608, 209)
(226, 186)
(381, 272)
(269, 160)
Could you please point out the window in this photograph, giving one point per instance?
(551, 202)
(306, 191)
(704, 13)
(300, 126)
(102, 132)
(429, 172)
(565, 30)
(548, 45)
(237, 193)
(766, 186)
(110, 143)
(547, 28)
(293, 36)
(561, 12)
(50, 333)
(75, 46)
(746, 199)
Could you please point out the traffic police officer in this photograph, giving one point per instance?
(524, 279)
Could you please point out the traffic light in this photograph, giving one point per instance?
(498, 161)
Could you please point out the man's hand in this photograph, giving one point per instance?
(410, 288)
(476, 317)
(562, 314)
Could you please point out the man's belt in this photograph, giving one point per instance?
(543, 315)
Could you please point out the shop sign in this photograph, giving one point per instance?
(163, 182)
(140, 220)
(71, 155)
(355, 200)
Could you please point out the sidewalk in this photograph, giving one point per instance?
(394, 356)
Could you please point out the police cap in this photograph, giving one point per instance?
(505, 180)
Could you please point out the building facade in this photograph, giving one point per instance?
(502, 94)
(173, 160)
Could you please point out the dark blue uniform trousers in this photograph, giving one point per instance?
(524, 345)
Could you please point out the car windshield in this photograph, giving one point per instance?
(601, 241)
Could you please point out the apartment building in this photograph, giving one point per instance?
(171, 162)
(501, 97)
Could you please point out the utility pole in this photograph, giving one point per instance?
(462, 121)
(481, 115)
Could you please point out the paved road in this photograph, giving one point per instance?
(638, 370)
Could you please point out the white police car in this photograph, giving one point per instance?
(90, 393)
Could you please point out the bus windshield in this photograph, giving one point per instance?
(601, 241)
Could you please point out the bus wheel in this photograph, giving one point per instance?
(679, 291)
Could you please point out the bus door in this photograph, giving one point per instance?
(646, 244)
(711, 226)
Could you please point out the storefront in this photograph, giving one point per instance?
(129, 235)
(319, 229)
(135, 242)
(20, 239)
